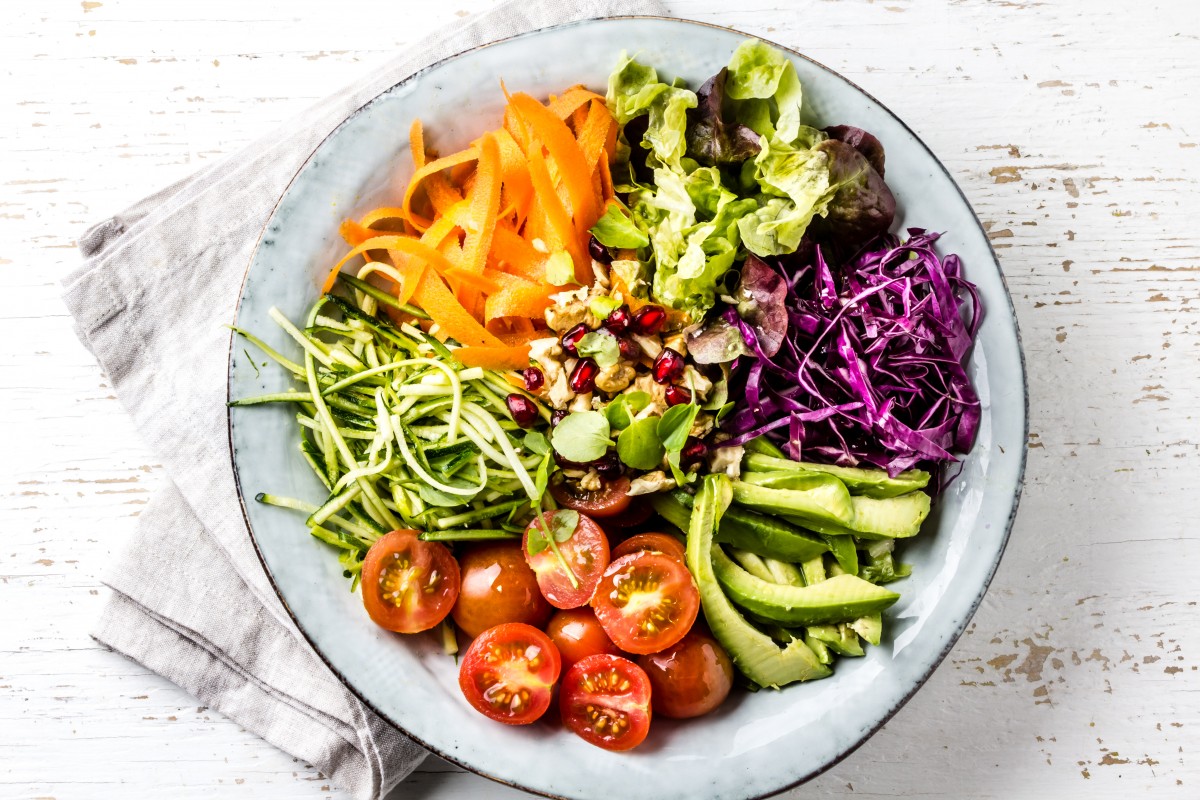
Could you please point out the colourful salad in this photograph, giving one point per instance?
(635, 396)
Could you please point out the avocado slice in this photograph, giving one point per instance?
(818, 647)
(869, 482)
(816, 496)
(869, 627)
(845, 551)
(839, 638)
(746, 530)
(837, 599)
(814, 570)
(783, 572)
(752, 564)
(897, 517)
(755, 654)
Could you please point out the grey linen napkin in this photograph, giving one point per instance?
(158, 283)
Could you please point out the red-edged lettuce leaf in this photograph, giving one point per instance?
(711, 138)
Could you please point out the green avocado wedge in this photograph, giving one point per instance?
(815, 496)
(758, 657)
(868, 482)
(745, 529)
(897, 517)
(841, 598)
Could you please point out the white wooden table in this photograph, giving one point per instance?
(1074, 129)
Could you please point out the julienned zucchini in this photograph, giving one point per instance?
(758, 656)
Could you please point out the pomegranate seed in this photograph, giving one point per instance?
(649, 320)
(609, 465)
(522, 409)
(557, 417)
(599, 251)
(668, 367)
(572, 337)
(618, 321)
(566, 463)
(677, 395)
(629, 348)
(583, 377)
(693, 451)
(534, 379)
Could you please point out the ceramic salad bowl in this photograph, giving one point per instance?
(755, 744)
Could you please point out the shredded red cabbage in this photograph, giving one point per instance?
(871, 369)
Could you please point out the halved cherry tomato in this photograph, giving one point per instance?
(586, 553)
(654, 542)
(408, 585)
(690, 678)
(605, 700)
(638, 512)
(577, 634)
(508, 673)
(606, 502)
(646, 602)
(498, 587)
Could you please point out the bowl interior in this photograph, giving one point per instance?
(757, 743)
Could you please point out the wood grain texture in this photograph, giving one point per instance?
(1073, 128)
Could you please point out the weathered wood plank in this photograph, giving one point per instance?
(1074, 131)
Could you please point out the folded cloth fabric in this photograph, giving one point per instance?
(158, 283)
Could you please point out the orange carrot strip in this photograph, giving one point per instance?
(518, 254)
(572, 168)
(454, 321)
(578, 117)
(565, 104)
(436, 233)
(473, 279)
(410, 269)
(354, 233)
(405, 244)
(556, 215)
(380, 214)
(528, 302)
(432, 167)
(501, 357)
(416, 144)
(517, 190)
(441, 194)
(594, 134)
(485, 204)
(606, 184)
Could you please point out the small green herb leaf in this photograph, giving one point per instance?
(536, 542)
(603, 305)
(624, 407)
(676, 472)
(535, 442)
(675, 425)
(563, 524)
(560, 269)
(601, 346)
(724, 411)
(582, 436)
(639, 446)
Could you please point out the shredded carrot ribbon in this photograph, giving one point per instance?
(470, 238)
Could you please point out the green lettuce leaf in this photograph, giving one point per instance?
(614, 229)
